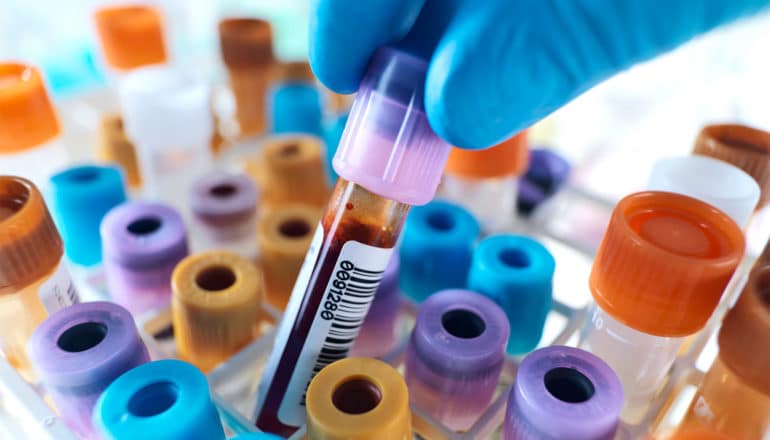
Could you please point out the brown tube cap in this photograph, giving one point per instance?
(131, 35)
(215, 306)
(664, 262)
(508, 158)
(296, 71)
(745, 334)
(246, 42)
(27, 116)
(115, 147)
(30, 246)
(745, 147)
(284, 235)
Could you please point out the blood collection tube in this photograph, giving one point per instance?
(295, 101)
(455, 356)
(130, 36)
(142, 242)
(563, 392)
(34, 280)
(166, 114)
(215, 306)
(247, 52)
(389, 158)
(290, 170)
(658, 275)
(517, 273)
(29, 129)
(378, 334)
(224, 208)
(358, 399)
(78, 351)
(284, 236)
(436, 250)
(485, 182)
(734, 397)
(160, 400)
(114, 147)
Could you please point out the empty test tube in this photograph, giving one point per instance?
(29, 128)
(563, 393)
(658, 275)
(224, 208)
(34, 280)
(358, 399)
(141, 244)
(486, 181)
(160, 400)
(130, 36)
(247, 52)
(114, 147)
(378, 334)
(215, 308)
(284, 236)
(78, 351)
(455, 356)
(295, 101)
(436, 249)
(517, 273)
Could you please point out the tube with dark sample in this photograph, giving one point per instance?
(388, 159)
(378, 334)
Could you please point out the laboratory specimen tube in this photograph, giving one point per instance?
(547, 173)
(166, 114)
(78, 351)
(436, 249)
(658, 275)
(29, 129)
(224, 208)
(247, 52)
(215, 306)
(295, 101)
(455, 356)
(114, 147)
(142, 242)
(34, 280)
(389, 158)
(486, 181)
(358, 399)
(130, 36)
(563, 393)
(378, 334)
(161, 400)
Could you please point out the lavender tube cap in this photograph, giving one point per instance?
(387, 146)
(223, 200)
(142, 243)
(455, 356)
(563, 392)
(78, 351)
(377, 336)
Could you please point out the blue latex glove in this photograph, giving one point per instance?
(497, 66)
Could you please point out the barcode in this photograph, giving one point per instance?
(346, 300)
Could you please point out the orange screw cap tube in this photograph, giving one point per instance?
(284, 235)
(247, 51)
(215, 306)
(358, 399)
(131, 36)
(33, 279)
(115, 147)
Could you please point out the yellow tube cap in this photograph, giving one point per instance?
(358, 399)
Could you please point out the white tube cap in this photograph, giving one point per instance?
(164, 108)
(713, 181)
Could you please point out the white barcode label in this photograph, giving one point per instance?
(58, 291)
(347, 297)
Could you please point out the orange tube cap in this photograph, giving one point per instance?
(131, 35)
(508, 158)
(27, 116)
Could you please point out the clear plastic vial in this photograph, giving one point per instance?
(658, 275)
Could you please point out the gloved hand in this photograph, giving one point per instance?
(497, 66)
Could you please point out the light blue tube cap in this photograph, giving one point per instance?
(295, 107)
(161, 400)
(436, 249)
(80, 197)
(517, 273)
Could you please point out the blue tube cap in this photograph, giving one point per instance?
(165, 399)
(436, 249)
(517, 273)
(295, 107)
(257, 436)
(80, 198)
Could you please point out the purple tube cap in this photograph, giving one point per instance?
(221, 198)
(459, 333)
(564, 392)
(388, 146)
(143, 235)
(87, 344)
